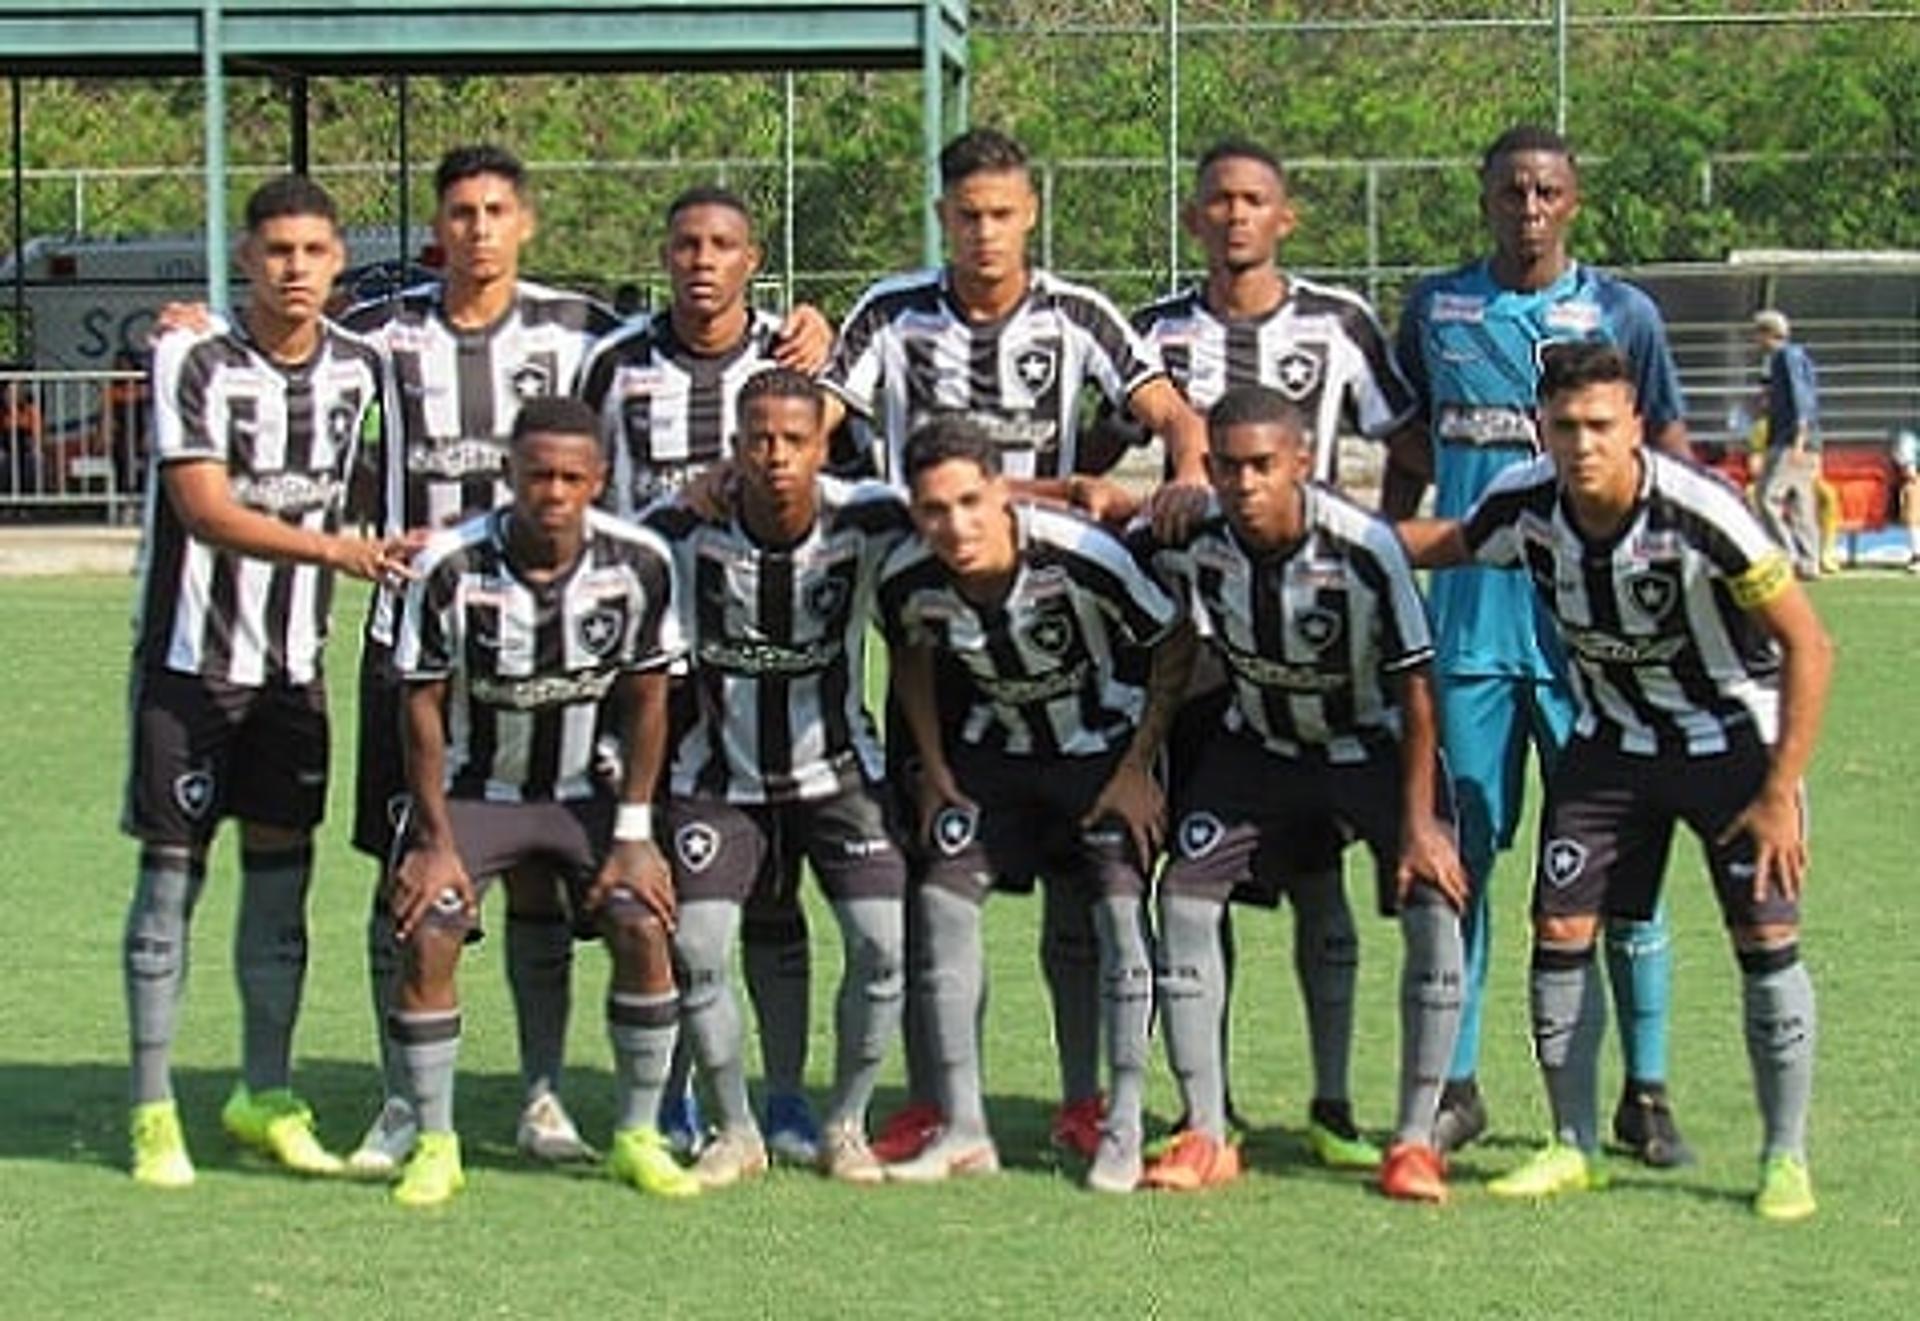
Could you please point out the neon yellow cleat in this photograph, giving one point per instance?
(280, 1125)
(1786, 1189)
(432, 1175)
(1338, 1151)
(160, 1157)
(1555, 1170)
(641, 1157)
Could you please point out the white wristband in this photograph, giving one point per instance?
(633, 822)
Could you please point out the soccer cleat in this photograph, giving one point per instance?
(1550, 1172)
(1414, 1172)
(946, 1157)
(160, 1157)
(733, 1155)
(1117, 1163)
(1786, 1189)
(546, 1133)
(432, 1175)
(278, 1124)
(907, 1132)
(682, 1125)
(643, 1158)
(792, 1133)
(1462, 1117)
(1334, 1140)
(845, 1156)
(1643, 1124)
(387, 1143)
(1076, 1126)
(1195, 1161)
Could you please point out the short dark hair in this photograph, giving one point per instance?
(708, 194)
(979, 151)
(1526, 137)
(289, 195)
(1256, 405)
(1238, 149)
(476, 159)
(1576, 364)
(946, 438)
(555, 414)
(779, 383)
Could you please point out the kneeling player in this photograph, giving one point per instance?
(522, 624)
(1700, 670)
(1329, 733)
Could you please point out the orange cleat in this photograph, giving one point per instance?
(1414, 1172)
(1193, 1162)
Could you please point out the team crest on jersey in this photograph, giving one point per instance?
(1654, 592)
(827, 598)
(1318, 627)
(1051, 634)
(1562, 861)
(340, 422)
(697, 844)
(1297, 373)
(1199, 834)
(1037, 366)
(954, 828)
(531, 380)
(194, 792)
(600, 630)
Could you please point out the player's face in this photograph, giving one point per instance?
(556, 477)
(987, 217)
(290, 263)
(1241, 215)
(481, 225)
(961, 512)
(1256, 469)
(781, 447)
(1529, 199)
(1593, 433)
(710, 256)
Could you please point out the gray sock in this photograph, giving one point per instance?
(1326, 958)
(710, 1012)
(642, 1029)
(540, 971)
(952, 976)
(1780, 1026)
(867, 1012)
(1126, 1006)
(270, 960)
(427, 1045)
(1070, 958)
(154, 962)
(1430, 991)
(1569, 1015)
(778, 962)
(1192, 989)
(383, 975)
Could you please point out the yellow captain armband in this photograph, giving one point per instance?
(1765, 579)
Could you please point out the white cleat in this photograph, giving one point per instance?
(546, 1133)
(388, 1142)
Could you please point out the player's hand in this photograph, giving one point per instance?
(1780, 851)
(376, 559)
(637, 867)
(1176, 509)
(805, 341)
(1133, 795)
(1427, 853)
(427, 877)
(195, 317)
(1104, 500)
(710, 494)
(938, 791)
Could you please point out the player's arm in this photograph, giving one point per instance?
(431, 867)
(1133, 793)
(635, 863)
(805, 340)
(913, 689)
(1427, 851)
(1409, 469)
(1434, 543)
(1166, 413)
(202, 497)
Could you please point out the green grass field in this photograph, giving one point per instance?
(76, 1236)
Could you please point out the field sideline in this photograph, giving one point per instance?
(76, 1235)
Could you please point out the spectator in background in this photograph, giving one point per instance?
(1785, 491)
(1906, 463)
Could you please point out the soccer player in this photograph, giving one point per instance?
(521, 626)
(255, 435)
(1049, 772)
(780, 761)
(1329, 734)
(1700, 672)
(1470, 342)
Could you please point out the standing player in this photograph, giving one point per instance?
(780, 761)
(1700, 672)
(522, 625)
(255, 436)
(1329, 733)
(1470, 344)
(1048, 769)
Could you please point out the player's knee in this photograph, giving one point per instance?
(634, 932)
(1565, 931)
(432, 953)
(1767, 947)
(258, 837)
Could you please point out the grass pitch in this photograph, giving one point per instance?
(76, 1235)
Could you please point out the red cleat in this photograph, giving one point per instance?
(907, 1132)
(1076, 1126)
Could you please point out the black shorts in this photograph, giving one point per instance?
(204, 749)
(570, 839)
(721, 850)
(1028, 826)
(380, 764)
(1251, 824)
(1607, 827)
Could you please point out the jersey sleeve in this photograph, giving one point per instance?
(656, 639)
(183, 427)
(1408, 353)
(1125, 592)
(1755, 568)
(1406, 638)
(854, 371)
(1643, 336)
(426, 644)
(1378, 398)
(1491, 526)
(1119, 359)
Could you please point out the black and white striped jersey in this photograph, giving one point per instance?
(777, 640)
(667, 412)
(288, 438)
(908, 351)
(1322, 348)
(1048, 664)
(528, 665)
(1664, 654)
(1311, 637)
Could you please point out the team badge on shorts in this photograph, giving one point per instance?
(1199, 834)
(697, 844)
(828, 598)
(1318, 627)
(1654, 592)
(397, 805)
(193, 791)
(1562, 861)
(1050, 634)
(954, 828)
(599, 630)
(1297, 373)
